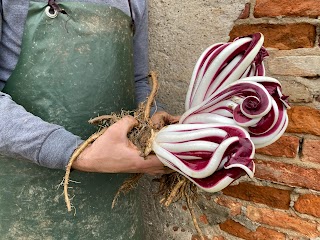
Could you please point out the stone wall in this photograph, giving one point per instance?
(283, 200)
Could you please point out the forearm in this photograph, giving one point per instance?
(25, 135)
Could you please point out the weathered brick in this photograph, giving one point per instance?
(283, 220)
(308, 204)
(303, 119)
(297, 92)
(262, 233)
(294, 65)
(270, 196)
(285, 146)
(273, 8)
(311, 151)
(288, 174)
(290, 36)
(234, 206)
(246, 11)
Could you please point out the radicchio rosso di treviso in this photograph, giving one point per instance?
(231, 108)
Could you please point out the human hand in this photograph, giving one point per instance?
(113, 152)
(162, 118)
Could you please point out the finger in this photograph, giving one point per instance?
(168, 170)
(159, 171)
(127, 122)
(166, 117)
(152, 165)
(163, 169)
(170, 119)
(122, 127)
(151, 161)
(158, 125)
(173, 119)
(161, 119)
(158, 120)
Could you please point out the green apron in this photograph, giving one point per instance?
(72, 67)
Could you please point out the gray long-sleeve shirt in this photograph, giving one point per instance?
(25, 135)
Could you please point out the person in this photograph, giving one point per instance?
(62, 62)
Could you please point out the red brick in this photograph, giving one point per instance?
(288, 174)
(298, 238)
(246, 11)
(273, 197)
(311, 151)
(277, 218)
(218, 238)
(207, 196)
(235, 207)
(283, 37)
(303, 119)
(197, 237)
(308, 204)
(203, 218)
(273, 8)
(262, 233)
(286, 146)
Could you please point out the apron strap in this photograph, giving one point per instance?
(131, 15)
(1, 11)
(55, 7)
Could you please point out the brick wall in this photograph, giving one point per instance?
(283, 201)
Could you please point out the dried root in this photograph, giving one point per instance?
(127, 186)
(151, 97)
(175, 187)
(74, 156)
(193, 215)
(140, 136)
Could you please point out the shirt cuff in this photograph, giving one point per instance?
(57, 149)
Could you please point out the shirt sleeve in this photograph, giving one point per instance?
(0, 19)
(24, 135)
(141, 61)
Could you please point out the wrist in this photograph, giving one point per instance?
(83, 163)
